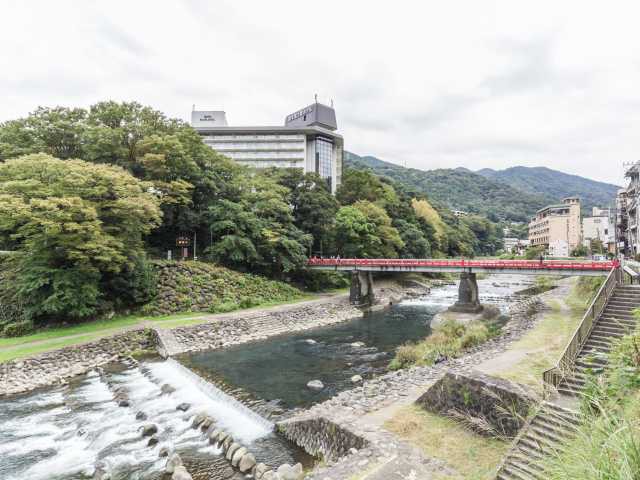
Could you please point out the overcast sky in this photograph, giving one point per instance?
(429, 84)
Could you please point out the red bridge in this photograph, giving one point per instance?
(468, 301)
(530, 267)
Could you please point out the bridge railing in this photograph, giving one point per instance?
(554, 376)
(463, 263)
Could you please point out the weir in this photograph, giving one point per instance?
(215, 393)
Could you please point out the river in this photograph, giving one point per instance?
(63, 432)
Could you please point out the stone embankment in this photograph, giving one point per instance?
(58, 366)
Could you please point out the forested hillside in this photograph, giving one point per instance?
(554, 185)
(458, 189)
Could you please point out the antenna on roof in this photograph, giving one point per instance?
(193, 109)
(316, 96)
(332, 103)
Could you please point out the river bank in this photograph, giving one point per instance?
(216, 331)
(362, 411)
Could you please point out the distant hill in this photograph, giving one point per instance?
(513, 194)
(458, 189)
(554, 184)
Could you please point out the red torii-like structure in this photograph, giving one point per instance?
(362, 280)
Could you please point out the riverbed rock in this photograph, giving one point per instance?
(180, 473)
(166, 389)
(247, 462)
(183, 407)
(356, 345)
(173, 462)
(221, 437)
(207, 423)
(270, 475)
(149, 429)
(237, 456)
(227, 443)
(260, 470)
(315, 385)
(164, 452)
(199, 418)
(356, 379)
(310, 341)
(287, 472)
(152, 441)
(231, 450)
(213, 436)
(141, 416)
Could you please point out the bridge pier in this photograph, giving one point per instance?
(468, 299)
(361, 292)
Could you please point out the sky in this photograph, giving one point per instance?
(426, 84)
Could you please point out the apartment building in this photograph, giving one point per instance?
(557, 227)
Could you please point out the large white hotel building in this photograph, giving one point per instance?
(307, 140)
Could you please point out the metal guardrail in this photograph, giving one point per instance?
(554, 376)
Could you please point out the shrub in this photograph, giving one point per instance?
(475, 334)
(18, 329)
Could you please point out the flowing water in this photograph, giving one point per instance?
(272, 375)
(64, 432)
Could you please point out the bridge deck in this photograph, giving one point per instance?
(527, 267)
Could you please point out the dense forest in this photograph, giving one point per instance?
(555, 185)
(88, 196)
(513, 194)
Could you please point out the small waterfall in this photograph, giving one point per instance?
(215, 393)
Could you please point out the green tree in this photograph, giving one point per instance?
(365, 230)
(363, 185)
(416, 244)
(73, 225)
(314, 208)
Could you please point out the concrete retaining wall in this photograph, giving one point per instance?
(490, 405)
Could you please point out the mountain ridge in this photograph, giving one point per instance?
(513, 194)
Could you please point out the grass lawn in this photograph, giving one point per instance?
(59, 337)
(473, 456)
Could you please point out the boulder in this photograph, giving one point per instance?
(180, 473)
(310, 341)
(246, 463)
(270, 475)
(183, 407)
(237, 456)
(141, 416)
(222, 437)
(227, 442)
(260, 470)
(123, 402)
(173, 462)
(231, 450)
(356, 379)
(164, 452)
(199, 418)
(166, 389)
(149, 429)
(152, 441)
(287, 472)
(355, 345)
(213, 436)
(315, 385)
(207, 423)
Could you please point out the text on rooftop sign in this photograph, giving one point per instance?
(299, 113)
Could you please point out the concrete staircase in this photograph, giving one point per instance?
(554, 423)
(615, 321)
(543, 434)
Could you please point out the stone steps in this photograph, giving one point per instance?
(545, 433)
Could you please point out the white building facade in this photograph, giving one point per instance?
(307, 141)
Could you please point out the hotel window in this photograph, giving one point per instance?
(324, 158)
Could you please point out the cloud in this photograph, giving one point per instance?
(427, 84)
